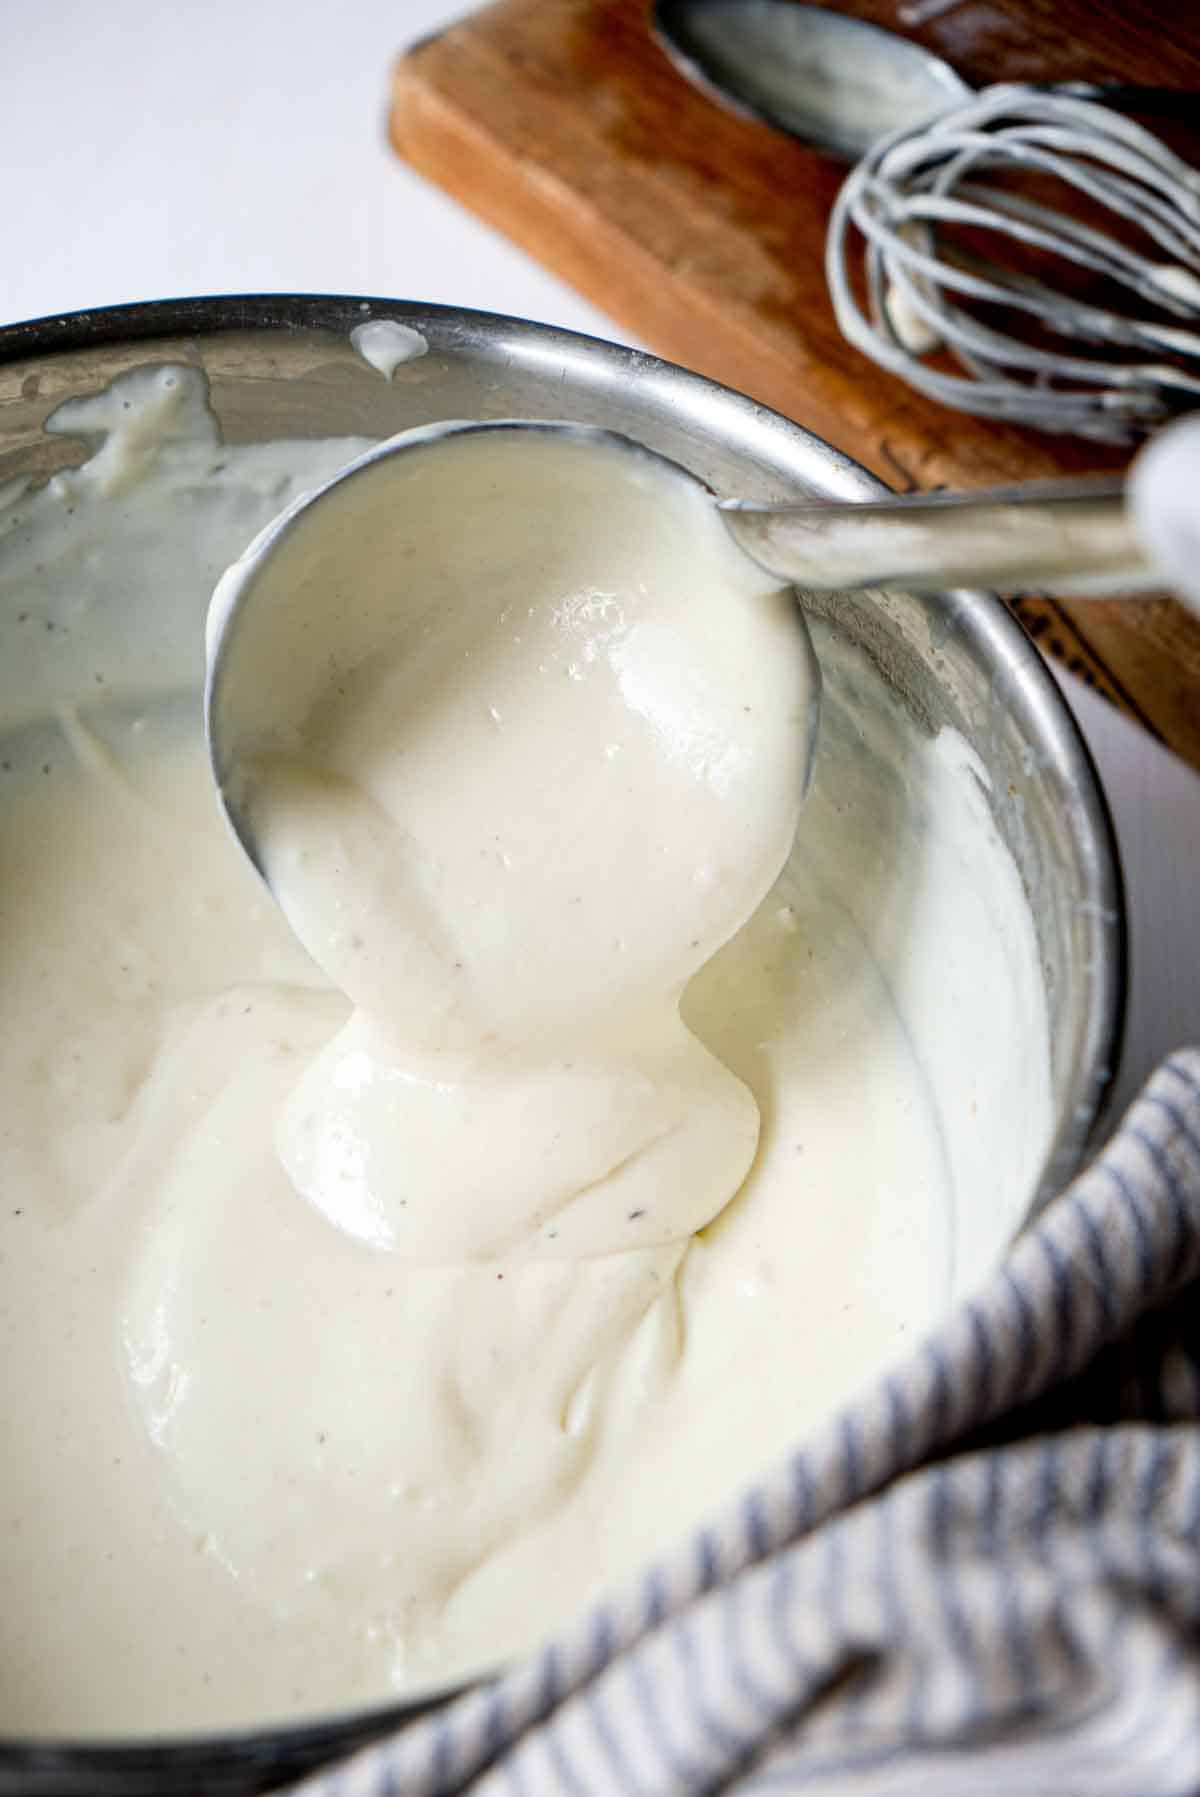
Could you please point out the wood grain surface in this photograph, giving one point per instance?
(561, 123)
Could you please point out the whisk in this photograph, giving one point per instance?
(907, 205)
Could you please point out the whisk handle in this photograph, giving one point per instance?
(1046, 537)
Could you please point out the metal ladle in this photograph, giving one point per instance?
(1067, 536)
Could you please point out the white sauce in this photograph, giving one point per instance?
(912, 328)
(530, 745)
(258, 1466)
(385, 343)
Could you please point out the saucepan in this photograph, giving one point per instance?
(286, 367)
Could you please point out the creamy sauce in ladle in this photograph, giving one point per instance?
(535, 744)
(271, 1450)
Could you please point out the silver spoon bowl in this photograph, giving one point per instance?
(836, 82)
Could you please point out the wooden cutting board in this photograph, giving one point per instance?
(562, 123)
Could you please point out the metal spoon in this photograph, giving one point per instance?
(834, 81)
(1065, 536)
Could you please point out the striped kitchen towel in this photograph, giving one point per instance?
(983, 1577)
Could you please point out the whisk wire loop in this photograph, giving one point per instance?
(916, 208)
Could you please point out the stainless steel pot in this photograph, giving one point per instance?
(283, 366)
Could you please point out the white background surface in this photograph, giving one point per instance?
(153, 150)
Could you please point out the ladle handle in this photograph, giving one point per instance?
(1046, 537)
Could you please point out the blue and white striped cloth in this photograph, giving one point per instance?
(984, 1577)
